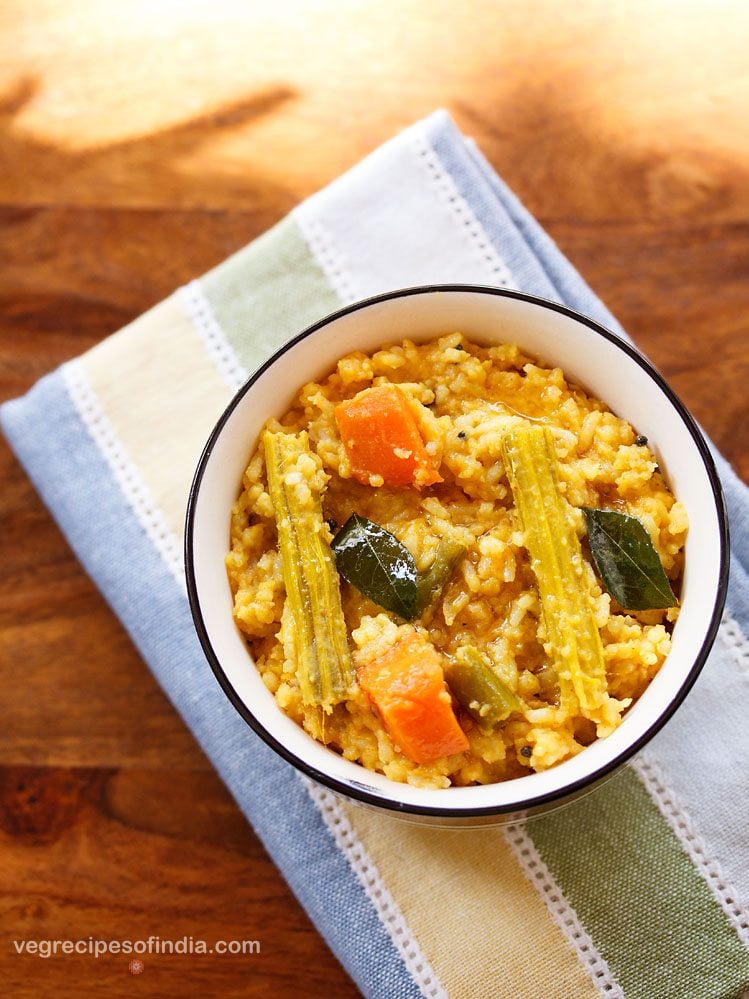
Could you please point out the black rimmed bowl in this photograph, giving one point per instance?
(590, 355)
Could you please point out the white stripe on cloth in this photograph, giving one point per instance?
(418, 228)
(561, 911)
(215, 341)
(448, 193)
(735, 641)
(134, 489)
(377, 892)
(695, 847)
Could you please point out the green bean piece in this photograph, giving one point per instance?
(478, 689)
(315, 638)
(433, 582)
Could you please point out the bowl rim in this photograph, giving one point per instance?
(360, 793)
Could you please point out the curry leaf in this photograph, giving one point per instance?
(627, 561)
(378, 565)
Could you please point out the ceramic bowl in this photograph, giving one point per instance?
(608, 368)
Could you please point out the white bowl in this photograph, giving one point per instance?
(588, 354)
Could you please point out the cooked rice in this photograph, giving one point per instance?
(465, 397)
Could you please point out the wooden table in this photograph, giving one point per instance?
(140, 144)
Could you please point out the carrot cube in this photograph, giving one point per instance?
(407, 687)
(382, 438)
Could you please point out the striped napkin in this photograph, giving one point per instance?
(640, 889)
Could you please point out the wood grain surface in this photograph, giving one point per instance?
(140, 144)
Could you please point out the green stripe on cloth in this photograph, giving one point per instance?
(662, 935)
(267, 292)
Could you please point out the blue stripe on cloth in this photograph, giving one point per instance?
(543, 269)
(737, 501)
(77, 486)
(570, 286)
(472, 183)
(540, 268)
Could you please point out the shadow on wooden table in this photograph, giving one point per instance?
(22, 153)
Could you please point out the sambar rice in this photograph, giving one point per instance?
(466, 401)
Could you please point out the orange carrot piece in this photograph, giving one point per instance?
(382, 437)
(407, 687)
